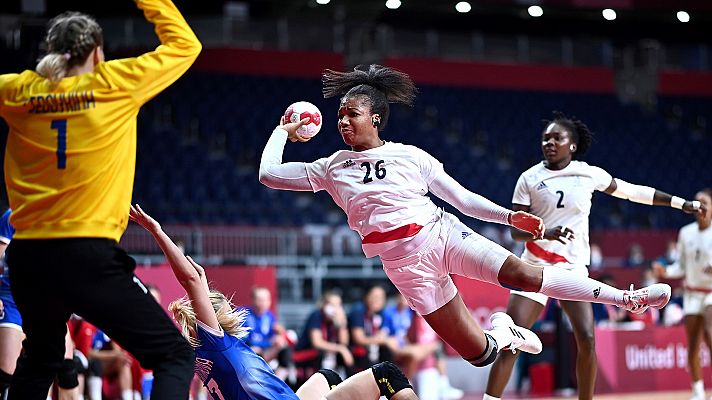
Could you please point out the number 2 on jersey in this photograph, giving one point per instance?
(560, 203)
(61, 126)
(380, 171)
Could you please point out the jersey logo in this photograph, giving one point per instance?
(596, 292)
(348, 163)
(541, 186)
(466, 234)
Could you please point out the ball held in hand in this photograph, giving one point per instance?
(304, 109)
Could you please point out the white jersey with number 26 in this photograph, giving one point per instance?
(380, 189)
(560, 198)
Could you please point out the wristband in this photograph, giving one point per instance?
(677, 202)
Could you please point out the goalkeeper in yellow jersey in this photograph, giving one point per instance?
(69, 170)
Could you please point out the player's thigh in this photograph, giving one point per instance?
(10, 347)
(315, 388)
(425, 287)
(581, 316)
(471, 255)
(361, 386)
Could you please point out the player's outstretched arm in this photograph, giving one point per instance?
(145, 76)
(472, 204)
(651, 196)
(286, 176)
(190, 274)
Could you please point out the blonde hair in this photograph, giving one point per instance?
(71, 37)
(230, 319)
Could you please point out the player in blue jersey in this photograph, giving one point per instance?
(228, 367)
(10, 321)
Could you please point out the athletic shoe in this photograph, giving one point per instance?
(638, 301)
(522, 339)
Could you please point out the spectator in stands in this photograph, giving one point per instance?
(559, 190)
(266, 336)
(69, 168)
(430, 371)
(371, 330)
(419, 349)
(401, 317)
(607, 314)
(635, 256)
(596, 257)
(695, 264)
(672, 254)
(324, 340)
(111, 364)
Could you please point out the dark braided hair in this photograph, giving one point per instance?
(580, 134)
(71, 37)
(378, 84)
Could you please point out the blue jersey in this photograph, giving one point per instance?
(261, 329)
(371, 323)
(401, 321)
(230, 370)
(6, 233)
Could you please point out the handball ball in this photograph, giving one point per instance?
(304, 109)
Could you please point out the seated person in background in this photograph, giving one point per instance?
(108, 360)
(324, 340)
(419, 354)
(371, 330)
(430, 372)
(266, 336)
(401, 316)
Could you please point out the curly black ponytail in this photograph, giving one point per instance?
(580, 134)
(380, 85)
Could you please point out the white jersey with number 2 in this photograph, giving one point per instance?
(560, 198)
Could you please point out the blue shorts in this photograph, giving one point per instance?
(9, 316)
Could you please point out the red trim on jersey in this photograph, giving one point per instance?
(402, 232)
(546, 255)
(698, 289)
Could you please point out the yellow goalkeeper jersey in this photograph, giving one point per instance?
(71, 150)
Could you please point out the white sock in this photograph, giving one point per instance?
(94, 387)
(127, 394)
(488, 397)
(566, 285)
(698, 389)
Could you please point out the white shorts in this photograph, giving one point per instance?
(542, 298)
(423, 275)
(694, 302)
